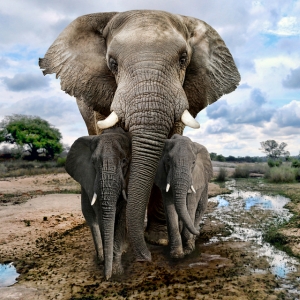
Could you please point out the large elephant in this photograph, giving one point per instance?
(183, 174)
(150, 71)
(100, 164)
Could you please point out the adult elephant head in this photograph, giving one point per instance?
(152, 70)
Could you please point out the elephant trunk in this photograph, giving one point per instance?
(110, 190)
(146, 152)
(180, 186)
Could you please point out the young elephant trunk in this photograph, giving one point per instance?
(180, 186)
(110, 190)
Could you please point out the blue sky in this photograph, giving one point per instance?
(263, 37)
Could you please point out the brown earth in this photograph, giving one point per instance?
(43, 232)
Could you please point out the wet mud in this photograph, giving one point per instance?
(229, 262)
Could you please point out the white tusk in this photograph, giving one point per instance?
(124, 194)
(110, 121)
(193, 189)
(188, 120)
(94, 199)
(168, 187)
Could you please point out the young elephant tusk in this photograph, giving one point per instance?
(168, 187)
(110, 121)
(94, 199)
(193, 189)
(124, 194)
(188, 120)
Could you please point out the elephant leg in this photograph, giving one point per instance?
(175, 242)
(91, 219)
(156, 229)
(120, 236)
(201, 206)
(187, 237)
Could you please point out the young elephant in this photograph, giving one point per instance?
(100, 163)
(183, 175)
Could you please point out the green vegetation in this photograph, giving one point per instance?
(31, 134)
(222, 175)
(283, 174)
(274, 163)
(15, 168)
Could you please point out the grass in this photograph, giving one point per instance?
(222, 175)
(17, 168)
(282, 174)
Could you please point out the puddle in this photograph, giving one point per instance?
(248, 214)
(8, 275)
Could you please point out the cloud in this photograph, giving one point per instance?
(250, 111)
(26, 82)
(288, 115)
(244, 86)
(292, 81)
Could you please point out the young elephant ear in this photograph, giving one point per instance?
(79, 163)
(203, 171)
(212, 71)
(77, 56)
(161, 173)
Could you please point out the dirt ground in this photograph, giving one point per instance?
(43, 232)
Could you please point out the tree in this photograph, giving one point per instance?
(32, 134)
(273, 149)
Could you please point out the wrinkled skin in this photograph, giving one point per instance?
(100, 164)
(147, 67)
(183, 175)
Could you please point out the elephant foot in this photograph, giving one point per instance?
(117, 268)
(157, 235)
(189, 247)
(177, 253)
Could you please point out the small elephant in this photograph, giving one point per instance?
(183, 175)
(100, 163)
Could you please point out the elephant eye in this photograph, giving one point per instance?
(113, 65)
(183, 59)
(124, 161)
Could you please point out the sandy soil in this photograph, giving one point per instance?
(45, 236)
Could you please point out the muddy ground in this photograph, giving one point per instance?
(43, 232)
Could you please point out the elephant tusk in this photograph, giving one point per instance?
(110, 121)
(124, 194)
(193, 189)
(94, 199)
(188, 120)
(168, 187)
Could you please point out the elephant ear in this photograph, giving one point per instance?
(203, 170)
(212, 71)
(77, 57)
(79, 163)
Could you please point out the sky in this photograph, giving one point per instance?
(262, 36)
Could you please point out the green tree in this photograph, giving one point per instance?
(32, 134)
(273, 149)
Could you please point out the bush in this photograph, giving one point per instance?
(222, 174)
(295, 163)
(61, 161)
(281, 175)
(241, 172)
(274, 163)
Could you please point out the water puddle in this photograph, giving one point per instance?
(248, 214)
(8, 275)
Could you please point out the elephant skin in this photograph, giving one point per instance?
(183, 175)
(100, 163)
(153, 71)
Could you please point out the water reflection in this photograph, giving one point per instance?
(248, 214)
(8, 275)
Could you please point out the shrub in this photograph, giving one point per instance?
(295, 163)
(281, 175)
(222, 174)
(274, 163)
(61, 161)
(241, 172)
